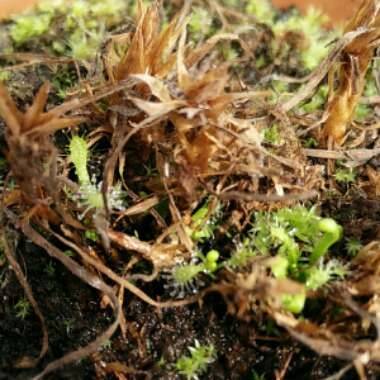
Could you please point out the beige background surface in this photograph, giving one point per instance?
(337, 9)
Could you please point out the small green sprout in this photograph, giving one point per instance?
(353, 246)
(83, 22)
(161, 362)
(310, 26)
(50, 269)
(256, 376)
(196, 364)
(23, 308)
(262, 10)
(331, 233)
(345, 176)
(288, 246)
(317, 101)
(184, 275)
(362, 112)
(310, 143)
(279, 266)
(79, 157)
(272, 134)
(4, 76)
(84, 44)
(241, 256)
(203, 224)
(200, 23)
(260, 62)
(294, 302)
(319, 276)
(107, 344)
(210, 261)
(91, 235)
(69, 324)
(300, 239)
(89, 193)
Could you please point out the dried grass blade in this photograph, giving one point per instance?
(198, 54)
(154, 109)
(355, 59)
(157, 87)
(55, 125)
(31, 115)
(139, 208)
(320, 72)
(9, 112)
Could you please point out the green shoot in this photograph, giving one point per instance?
(194, 365)
(184, 275)
(300, 239)
(353, 246)
(345, 176)
(89, 193)
(23, 308)
(241, 256)
(79, 157)
(332, 232)
(256, 376)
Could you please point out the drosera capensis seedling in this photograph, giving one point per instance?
(89, 192)
(300, 239)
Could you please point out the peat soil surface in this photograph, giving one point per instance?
(154, 340)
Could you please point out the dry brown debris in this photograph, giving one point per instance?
(351, 70)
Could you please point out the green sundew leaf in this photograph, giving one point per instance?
(294, 302)
(79, 157)
(279, 266)
(240, 258)
(184, 274)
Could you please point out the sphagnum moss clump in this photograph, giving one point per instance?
(83, 25)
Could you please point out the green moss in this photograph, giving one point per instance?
(4, 76)
(84, 45)
(83, 23)
(317, 101)
(310, 26)
(362, 112)
(272, 134)
(26, 27)
(262, 10)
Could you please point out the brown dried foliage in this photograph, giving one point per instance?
(351, 70)
(31, 152)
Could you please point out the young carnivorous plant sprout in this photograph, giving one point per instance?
(201, 228)
(300, 239)
(89, 193)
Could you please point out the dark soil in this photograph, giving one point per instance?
(74, 318)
